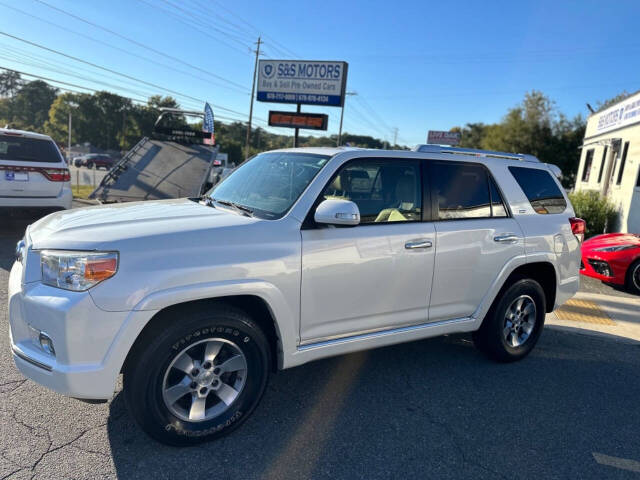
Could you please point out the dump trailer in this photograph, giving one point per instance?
(173, 163)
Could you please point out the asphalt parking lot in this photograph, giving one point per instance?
(428, 409)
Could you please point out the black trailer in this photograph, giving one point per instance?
(173, 163)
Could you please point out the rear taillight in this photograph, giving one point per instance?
(578, 227)
(51, 174)
(56, 174)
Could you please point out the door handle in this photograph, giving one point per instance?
(410, 245)
(506, 238)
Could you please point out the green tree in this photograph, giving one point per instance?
(29, 108)
(536, 127)
(603, 105)
(10, 83)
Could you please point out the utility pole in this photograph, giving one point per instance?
(395, 136)
(339, 142)
(253, 90)
(297, 131)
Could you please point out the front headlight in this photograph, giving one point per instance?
(77, 271)
(617, 248)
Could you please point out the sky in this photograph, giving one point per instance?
(413, 65)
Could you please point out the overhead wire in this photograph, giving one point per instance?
(124, 75)
(128, 52)
(139, 44)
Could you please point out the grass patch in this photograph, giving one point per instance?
(82, 191)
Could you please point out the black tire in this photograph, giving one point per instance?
(89, 165)
(147, 371)
(490, 338)
(633, 277)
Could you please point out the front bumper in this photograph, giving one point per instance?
(595, 267)
(90, 344)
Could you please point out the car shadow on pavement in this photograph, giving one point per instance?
(432, 408)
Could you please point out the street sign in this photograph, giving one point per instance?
(302, 82)
(438, 137)
(310, 121)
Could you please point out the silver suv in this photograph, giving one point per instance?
(297, 255)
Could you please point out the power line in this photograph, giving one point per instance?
(114, 71)
(285, 49)
(125, 51)
(133, 99)
(197, 19)
(191, 25)
(135, 42)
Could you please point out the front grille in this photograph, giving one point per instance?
(601, 267)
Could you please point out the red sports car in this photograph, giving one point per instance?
(613, 258)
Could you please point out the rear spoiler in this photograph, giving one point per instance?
(555, 170)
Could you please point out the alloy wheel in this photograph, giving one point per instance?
(204, 379)
(519, 321)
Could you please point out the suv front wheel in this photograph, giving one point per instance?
(514, 323)
(198, 376)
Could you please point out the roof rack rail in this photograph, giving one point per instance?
(474, 153)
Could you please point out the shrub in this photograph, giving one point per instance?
(599, 213)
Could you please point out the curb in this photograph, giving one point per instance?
(86, 202)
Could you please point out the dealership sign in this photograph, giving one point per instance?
(620, 115)
(438, 137)
(303, 82)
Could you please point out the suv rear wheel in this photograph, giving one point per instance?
(514, 323)
(198, 377)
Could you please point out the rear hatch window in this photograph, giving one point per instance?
(540, 188)
(28, 149)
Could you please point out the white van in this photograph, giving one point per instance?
(33, 173)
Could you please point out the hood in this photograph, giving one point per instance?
(93, 227)
(610, 240)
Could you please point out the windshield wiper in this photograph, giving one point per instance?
(236, 206)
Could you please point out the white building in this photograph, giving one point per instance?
(610, 160)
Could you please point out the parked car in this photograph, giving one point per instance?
(613, 258)
(100, 161)
(33, 173)
(297, 255)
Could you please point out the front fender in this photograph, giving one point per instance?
(284, 315)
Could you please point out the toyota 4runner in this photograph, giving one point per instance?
(298, 255)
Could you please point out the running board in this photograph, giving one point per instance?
(384, 333)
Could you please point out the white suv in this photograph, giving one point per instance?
(298, 255)
(33, 173)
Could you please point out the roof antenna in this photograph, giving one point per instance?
(590, 108)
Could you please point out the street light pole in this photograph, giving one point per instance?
(342, 116)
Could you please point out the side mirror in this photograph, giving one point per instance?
(337, 212)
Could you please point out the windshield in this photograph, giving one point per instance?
(270, 183)
(28, 149)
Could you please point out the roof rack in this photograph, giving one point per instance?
(474, 153)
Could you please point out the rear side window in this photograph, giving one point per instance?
(540, 188)
(28, 149)
(461, 190)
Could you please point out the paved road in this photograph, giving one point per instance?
(591, 285)
(428, 409)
